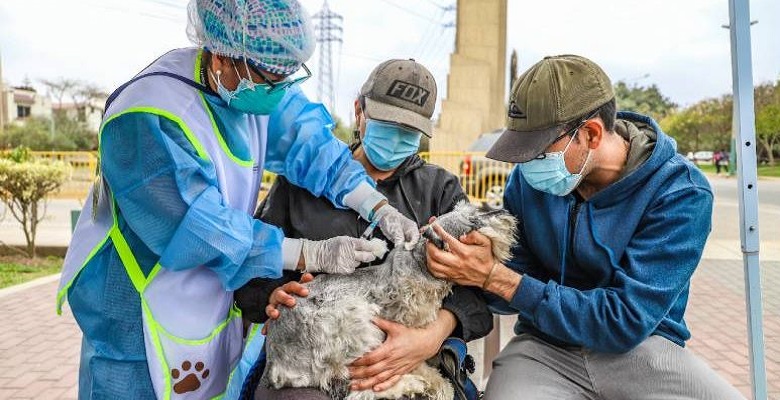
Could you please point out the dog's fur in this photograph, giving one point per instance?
(311, 344)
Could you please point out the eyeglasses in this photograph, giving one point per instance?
(570, 132)
(284, 83)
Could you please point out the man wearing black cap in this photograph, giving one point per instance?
(612, 224)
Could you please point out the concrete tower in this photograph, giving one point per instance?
(476, 83)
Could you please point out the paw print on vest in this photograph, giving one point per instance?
(191, 381)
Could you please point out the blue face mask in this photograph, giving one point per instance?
(388, 145)
(550, 174)
(250, 97)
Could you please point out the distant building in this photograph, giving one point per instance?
(90, 112)
(22, 102)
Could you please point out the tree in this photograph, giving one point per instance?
(37, 134)
(704, 125)
(643, 100)
(684, 128)
(767, 103)
(24, 185)
(60, 87)
(768, 129)
(714, 119)
(343, 132)
(84, 96)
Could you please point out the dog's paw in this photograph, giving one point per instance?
(362, 395)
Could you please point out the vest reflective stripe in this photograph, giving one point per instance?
(188, 317)
(93, 235)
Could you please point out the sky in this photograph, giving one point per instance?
(678, 45)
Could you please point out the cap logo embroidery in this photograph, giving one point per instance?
(408, 92)
(516, 112)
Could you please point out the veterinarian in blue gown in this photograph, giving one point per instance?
(167, 234)
(612, 224)
(392, 112)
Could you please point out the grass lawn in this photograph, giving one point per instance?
(766, 170)
(16, 269)
(763, 170)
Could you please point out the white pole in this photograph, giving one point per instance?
(744, 126)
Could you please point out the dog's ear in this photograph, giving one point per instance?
(501, 227)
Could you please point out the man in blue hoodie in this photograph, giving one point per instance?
(612, 224)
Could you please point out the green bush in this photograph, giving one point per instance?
(41, 134)
(24, 185)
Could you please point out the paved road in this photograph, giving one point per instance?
(724, 241)
(39, 351)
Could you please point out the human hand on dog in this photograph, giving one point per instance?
(340, 254)
(397, 227)
(403, 350)
(283, 295)
(466, 261)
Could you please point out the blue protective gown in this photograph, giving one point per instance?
(170, 210)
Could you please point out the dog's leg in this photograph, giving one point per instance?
(362, 395)
(424, 381)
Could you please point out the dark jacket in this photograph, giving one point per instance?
(417, 189)
(608, 272)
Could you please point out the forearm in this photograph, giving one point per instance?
(504, 282)
(227, 241)
(442, 327)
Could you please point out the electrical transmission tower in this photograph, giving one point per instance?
(329, 30)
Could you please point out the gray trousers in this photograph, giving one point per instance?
(530, 368)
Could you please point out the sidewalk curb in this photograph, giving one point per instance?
(760, 177)
(27, 285)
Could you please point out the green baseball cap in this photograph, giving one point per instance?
(552, 93)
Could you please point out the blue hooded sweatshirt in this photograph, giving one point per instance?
(608, 272)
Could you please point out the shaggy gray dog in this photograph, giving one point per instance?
(311, 344)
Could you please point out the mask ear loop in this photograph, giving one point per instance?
(215, 76)
(251, 84)
(577, 132)
(587, 158)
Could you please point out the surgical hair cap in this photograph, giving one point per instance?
(274, 35)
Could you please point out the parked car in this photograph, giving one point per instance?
(483, 178)
(700, 156)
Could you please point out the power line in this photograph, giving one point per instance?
(426, 38)
(141, 13)
(167, 4)
(415, 13)
(430, 39)
(362, 57)
(440, 47)
(435, 3)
